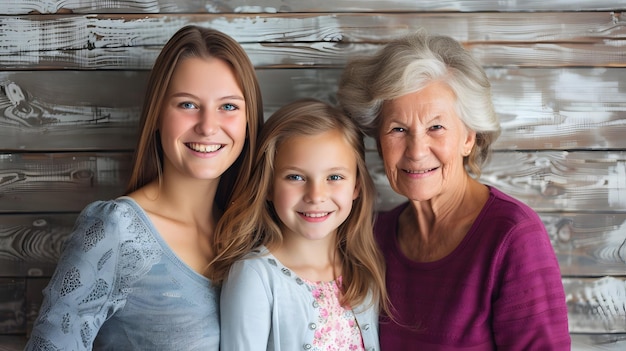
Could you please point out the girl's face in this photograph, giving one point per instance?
(314, 184)
(423, 142)
(203, 121)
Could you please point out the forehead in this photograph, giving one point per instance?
(327, 145)
(436, 96)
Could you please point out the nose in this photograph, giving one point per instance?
(316, 192)
(208, 122)
(417, 146)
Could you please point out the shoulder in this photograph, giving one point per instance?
(502, 208)
(110, 210)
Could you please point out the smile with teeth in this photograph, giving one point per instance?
(203, 147)
(419, 171)
(315, 215)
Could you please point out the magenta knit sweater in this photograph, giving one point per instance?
(500, 289)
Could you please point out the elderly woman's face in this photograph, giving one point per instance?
(423, 142)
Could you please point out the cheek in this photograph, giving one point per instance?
(237, 129)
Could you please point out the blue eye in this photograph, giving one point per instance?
(187, 105)
(398, 130)
(230, 107)
(335, 177)
(294, 177)
(436, 127)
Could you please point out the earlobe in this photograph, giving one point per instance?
(470, 141)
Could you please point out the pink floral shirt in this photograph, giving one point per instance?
(337, 326)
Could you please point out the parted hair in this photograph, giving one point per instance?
(252, 221)
(204, 43)
(408, 64)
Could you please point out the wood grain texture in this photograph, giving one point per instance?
(30, 244)
(273, 6)
(540, 109)
(596, 305)
(60, 182)
(12, 305)
(589, 245)
(604, 342)
(133, 41)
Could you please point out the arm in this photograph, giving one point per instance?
(530, 311)
(245, 309)
(77, 299)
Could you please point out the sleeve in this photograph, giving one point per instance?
(245, 309)
(78, 298)
(530, 311)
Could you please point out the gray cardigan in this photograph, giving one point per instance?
(266, 306)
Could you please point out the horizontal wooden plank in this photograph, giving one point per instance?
(540, 109)
(30, 244)
(562, 181)
(87, 111)
(609, 53)
(301, 40)
(14, 7)
(12, 342)
(596, 305)
(34, 299)
(588, 244)
(548, 181)
(12, 305)
(604, 342)
(60, 182)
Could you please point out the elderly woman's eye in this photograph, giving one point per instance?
(436, 127)
(398, 130)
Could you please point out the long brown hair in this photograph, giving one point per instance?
(251, 221)
(194, 41)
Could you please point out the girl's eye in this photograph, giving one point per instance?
(294, 177)
(335, 177)
(229, 107)
(187, 105)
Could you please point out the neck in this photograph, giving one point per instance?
(188, 200)
(430, 230)
(313, 260)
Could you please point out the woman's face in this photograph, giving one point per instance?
(423, 141)
(203, 120)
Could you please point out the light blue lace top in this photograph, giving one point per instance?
(119, 286)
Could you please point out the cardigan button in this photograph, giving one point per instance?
(307, 346)
(312, 326)
(366, 327)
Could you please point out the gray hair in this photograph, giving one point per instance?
(407, 65)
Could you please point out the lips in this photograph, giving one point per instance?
(204, 148)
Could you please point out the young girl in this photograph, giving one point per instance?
(130, 277)
(296, 249)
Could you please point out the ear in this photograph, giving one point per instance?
(357, 190)
(470, 140)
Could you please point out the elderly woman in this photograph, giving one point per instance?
(468, 267)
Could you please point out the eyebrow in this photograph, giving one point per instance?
(227, 97)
